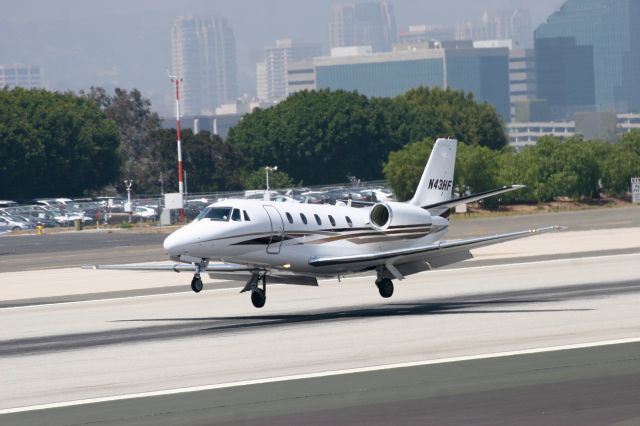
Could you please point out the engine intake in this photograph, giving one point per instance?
(384, 215)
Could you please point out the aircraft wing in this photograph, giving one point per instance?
(178, 267)
(437, 250)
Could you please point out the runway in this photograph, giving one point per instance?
(102, 348)
(546, 331)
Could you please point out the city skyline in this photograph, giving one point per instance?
(99, 58)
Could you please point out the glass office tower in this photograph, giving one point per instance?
(483, 72)
(382, 75)
(588, 57)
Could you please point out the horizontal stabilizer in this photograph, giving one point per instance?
(471, 198)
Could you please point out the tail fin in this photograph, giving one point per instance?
(436, 183)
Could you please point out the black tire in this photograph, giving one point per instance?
(385, 287)
(196, 285)
(258, 298)
(16, 228)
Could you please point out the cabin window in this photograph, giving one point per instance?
(235, 216)
(318, 221)
(221, 214)
(289, 217)
(246, 216)
(349, 221)
(332, 220)
(304, 218)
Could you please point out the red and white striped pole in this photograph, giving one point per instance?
(175, 79)
(180, 172)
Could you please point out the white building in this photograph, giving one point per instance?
(301, 76)
(204, 55)
(525, 134)
(276, 63)
(25, 76)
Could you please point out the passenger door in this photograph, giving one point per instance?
(277, 230)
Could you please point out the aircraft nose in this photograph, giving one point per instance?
(176, 243)
(169, 243)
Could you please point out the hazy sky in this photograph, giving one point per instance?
(126, 43)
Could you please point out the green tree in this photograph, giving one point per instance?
(210, 164)
(621, 163)
(136, 123)
(432, 113)
(318, 137)
(323, 136)
(54, 144)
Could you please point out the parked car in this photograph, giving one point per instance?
(8, 224)
(43, 218)
(144, 213)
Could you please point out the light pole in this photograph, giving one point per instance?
(128, 183)
(267, 169)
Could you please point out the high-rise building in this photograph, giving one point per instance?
(204, 56)
(276, 61)
(512, 25)
(25, 76)
(262, 84)
(522, 73)
(588, 57)
(363, 24)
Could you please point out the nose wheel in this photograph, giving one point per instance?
(196, 283)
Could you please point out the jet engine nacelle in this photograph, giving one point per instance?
(385, 215)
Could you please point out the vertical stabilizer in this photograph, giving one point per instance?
(436, 183)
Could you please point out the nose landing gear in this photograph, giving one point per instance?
(196, 282)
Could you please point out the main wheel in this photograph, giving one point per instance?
(385, 287)
(258, 298)
(196, 284)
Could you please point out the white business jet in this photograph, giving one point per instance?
(289, 243)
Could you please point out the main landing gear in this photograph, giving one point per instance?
(258, 295)
(385, 287)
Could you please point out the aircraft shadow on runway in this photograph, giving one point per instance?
(388, 310)
(488, 303)
(512, 302)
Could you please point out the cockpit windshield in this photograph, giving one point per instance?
(221, 214)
